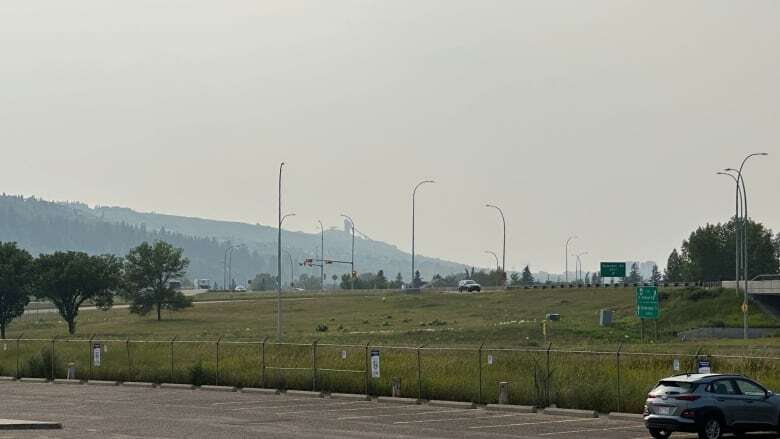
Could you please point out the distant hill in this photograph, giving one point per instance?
(43, 226)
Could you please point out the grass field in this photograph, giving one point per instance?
(499, 319)
(450, 326)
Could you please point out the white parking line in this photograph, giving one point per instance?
(560, 421)
(404, 414)
(270, 399)
(587, 430)
(422, 421)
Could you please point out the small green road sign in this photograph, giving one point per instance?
(647, 303)
(613, 269)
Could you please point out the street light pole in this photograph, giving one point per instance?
(503, 221)
(279, 262)
(414, 194)
(578, 269)
(230, 266)
(566, 269)
(352, 261)
(495, 256)
(738, 205)
(322, 257)
(745, 224)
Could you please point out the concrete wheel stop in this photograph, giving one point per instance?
(15, 424)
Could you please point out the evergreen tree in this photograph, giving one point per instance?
(528, 278)
(380, 281)
(587, 278)
(515, 277)
(417, 282)
(633, 277)
(595, 279)
(675, 268)
(655, 277)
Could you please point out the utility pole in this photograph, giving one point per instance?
(503, 221)
(414, 194)
(352, 263)
(322, 256)
(566, 269)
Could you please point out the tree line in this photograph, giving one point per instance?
(70, 279)
(709, 253)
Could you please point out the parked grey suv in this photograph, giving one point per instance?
(710, 404)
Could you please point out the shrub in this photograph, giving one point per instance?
(199, 374)
(40, 364)
(322, 327)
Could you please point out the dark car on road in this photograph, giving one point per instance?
(710, 405)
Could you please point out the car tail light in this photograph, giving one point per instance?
(690, 414)
(687, 397)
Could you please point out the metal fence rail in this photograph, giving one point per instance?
(601, 380)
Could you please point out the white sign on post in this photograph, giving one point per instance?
(343, 355)
(490, 360)
(96, 354)
(676, 364)
(374, 364)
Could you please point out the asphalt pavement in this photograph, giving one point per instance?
(89, 411)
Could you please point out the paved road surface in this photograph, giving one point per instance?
(123, 412)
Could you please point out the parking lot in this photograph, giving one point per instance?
(88, 411)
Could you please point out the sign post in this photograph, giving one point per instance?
(96, 354)
(375, 364)
(647, 306)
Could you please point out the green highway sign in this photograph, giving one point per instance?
(647, 303)
(613, 269)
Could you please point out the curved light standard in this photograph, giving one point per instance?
(503, 250)
(322, 256)
(414, 194)
(495, 256)
(578, 269)
(745, 224)
(738, 205)
(566, 269)
(352, 261)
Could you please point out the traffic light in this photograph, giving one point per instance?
(328, 261)
(308, 262)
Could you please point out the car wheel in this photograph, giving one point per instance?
(659, 434)
(711, 429)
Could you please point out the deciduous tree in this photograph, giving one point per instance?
(68, 279)
(15, 281)
(148, 270)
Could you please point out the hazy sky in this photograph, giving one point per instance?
(604, 119)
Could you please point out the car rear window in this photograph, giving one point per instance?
(674, 387)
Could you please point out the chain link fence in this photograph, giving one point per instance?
(599, 380)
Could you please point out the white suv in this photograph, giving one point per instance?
(469, 285)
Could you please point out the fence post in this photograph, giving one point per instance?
(217, 374)
(479, 361)
(548, 380)
(619, 395)
(172, 341)
(129, 361)
(419, 374)
(314, 365)
(365, 375)
(51, 358)
(18, 339)
(262, 363)
(89, 355)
